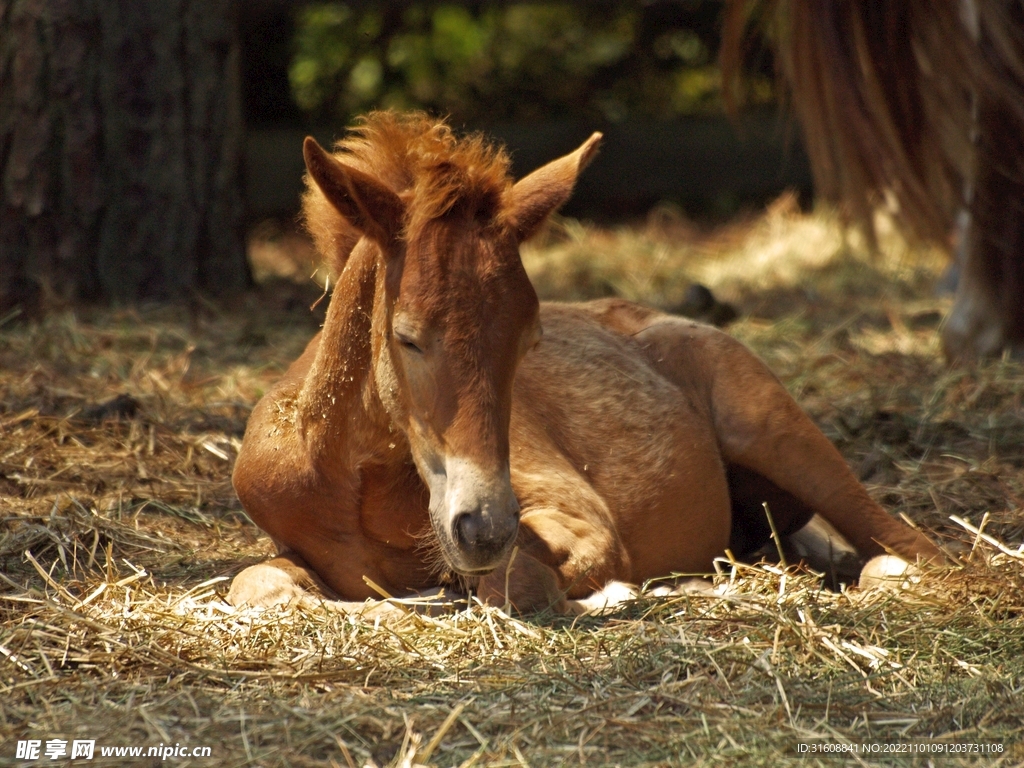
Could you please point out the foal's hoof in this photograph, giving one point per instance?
(262, 586)
(889, 572)
(612, 594)
(694, 585)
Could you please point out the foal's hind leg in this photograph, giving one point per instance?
(806, 537)
(760, 427)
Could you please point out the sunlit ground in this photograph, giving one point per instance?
(120, 530)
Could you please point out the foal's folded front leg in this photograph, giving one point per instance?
(283, 580)
(559, 556)
(288, 580)
(524, 584)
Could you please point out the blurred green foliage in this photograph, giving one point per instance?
(490, 62)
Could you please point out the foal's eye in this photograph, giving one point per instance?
(408, 344)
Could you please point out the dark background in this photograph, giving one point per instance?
(141, 139)
(656, 148)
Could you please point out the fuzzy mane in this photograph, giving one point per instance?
(422, 160)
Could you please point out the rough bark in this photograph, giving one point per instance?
(120, 149)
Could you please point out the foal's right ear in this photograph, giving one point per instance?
(547, 188)
(368, 205)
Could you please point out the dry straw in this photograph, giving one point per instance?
(120, 532)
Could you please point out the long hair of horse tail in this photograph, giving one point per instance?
(886, 94)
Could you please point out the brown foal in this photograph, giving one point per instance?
(443, 416)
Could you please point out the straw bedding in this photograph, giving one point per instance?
(120, 532)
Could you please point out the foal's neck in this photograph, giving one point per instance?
(338, 408)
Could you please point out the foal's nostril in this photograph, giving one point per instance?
(480, 538)
(467, 529)
(478, 530)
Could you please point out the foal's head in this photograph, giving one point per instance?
(460, 310)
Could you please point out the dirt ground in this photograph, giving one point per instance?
(120, 531)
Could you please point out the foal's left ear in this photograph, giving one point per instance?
(370, 206)
(541, 193)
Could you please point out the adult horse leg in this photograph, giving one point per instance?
(988, 314)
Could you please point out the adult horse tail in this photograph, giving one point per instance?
(919, 104)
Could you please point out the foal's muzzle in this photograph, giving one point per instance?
(477, 520)
(483, 537)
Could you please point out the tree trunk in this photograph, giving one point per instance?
(120, 149)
